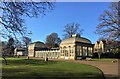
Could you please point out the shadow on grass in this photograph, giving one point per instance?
(29, 62)
(51, 75)
(26, 73)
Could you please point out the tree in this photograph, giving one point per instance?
(110, 22)
(52, 40)
(72, 28)
(13, 14)
(18, 43)
(112, 46)
(10, 46)
(3, 45)
(7, 48)
(26, 41)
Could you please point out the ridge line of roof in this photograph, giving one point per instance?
(75, 39)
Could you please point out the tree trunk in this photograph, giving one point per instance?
(5, 60)
(99, 55)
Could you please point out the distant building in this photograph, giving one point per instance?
(104, 46)
(100, 46)
(73, 48)
(35, 46)
(20, 51)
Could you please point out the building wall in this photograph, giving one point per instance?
(76, 50)
(84, 50)
(48, 53)
(31, 50)
(20, 51)
(31, 53)
(71, 49)
(67, 51)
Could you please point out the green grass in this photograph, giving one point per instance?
(21, 68)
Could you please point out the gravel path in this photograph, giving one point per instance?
(110, 69)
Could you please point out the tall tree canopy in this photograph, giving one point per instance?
(13, 13)
(110, 22)
(72, 28)
(52, 40)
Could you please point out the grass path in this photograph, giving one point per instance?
(22, 68)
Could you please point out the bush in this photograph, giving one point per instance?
(108, 55)
(117, 55)
(95, 55)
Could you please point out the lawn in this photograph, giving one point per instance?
(21, 68)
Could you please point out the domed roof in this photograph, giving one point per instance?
(37, 44)
(74, 39)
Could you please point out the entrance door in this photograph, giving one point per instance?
(66, 54)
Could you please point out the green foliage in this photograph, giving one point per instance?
(52, 40)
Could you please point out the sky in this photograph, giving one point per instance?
(85, 13)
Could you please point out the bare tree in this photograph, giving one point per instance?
(110, 22)
(10, 46)
(3, 46)
(52, 40)
(26, 41)
(13, 14)
(18, 43)
(113, 44)
(72, 28)
(7, 48)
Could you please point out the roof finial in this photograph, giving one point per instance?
(76, 35)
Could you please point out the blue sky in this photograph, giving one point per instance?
(84, 13)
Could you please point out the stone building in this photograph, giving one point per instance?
(103, 46)
(20, 51)
(38, 49)
(35, 46)
(76, 47)
(73, 48)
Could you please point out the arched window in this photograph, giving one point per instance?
(80, 50)
(84, 51)
(72, 51)
(69, 50)
(64, 50)
(90, 51)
